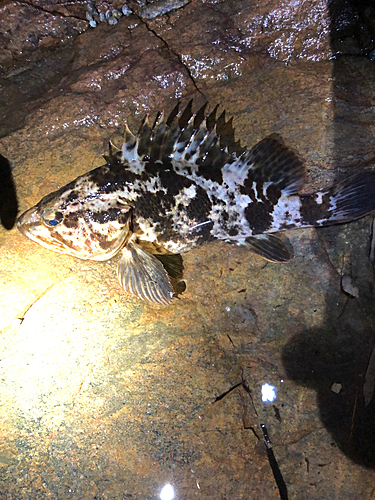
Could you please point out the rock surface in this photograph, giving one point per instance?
(105, 398)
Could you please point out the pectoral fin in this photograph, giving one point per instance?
(141, 274)
(269, 247)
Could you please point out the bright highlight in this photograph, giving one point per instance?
(269, 393)
(167, 493)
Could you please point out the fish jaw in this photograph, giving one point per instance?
(30, 225)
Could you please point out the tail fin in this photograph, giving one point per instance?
(349, 200)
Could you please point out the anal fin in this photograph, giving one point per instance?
(142, 275)
(269, 247)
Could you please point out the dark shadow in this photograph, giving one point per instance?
(335, 352)
(331, 354)
(352, 40)
(8, 196)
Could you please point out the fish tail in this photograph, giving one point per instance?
(348, 200)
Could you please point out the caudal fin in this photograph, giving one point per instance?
(348, 200)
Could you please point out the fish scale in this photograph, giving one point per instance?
(180, 183)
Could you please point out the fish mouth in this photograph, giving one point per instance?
(27, 220)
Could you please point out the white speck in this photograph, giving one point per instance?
(227, 308)
(319, 198)
(269, 393)
(167, 493)
(198, 486)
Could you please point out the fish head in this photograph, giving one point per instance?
(82, 219)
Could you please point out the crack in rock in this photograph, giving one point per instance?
(174, 53)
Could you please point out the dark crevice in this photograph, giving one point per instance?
(55, 13)
(222, 396)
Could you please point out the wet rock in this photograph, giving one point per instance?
(103, 396)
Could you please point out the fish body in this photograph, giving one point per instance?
(178, 184)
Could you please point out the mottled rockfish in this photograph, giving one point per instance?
(180, 183)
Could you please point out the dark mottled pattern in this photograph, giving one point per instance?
(113, 178)
(259, 216)
(233, 231)
(104, 216)
(71, 219)
(105, 243)
(200, 206)
(210, 168)
(259, 213)
(72, 196)
(311, 212)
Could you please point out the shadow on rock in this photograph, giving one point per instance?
(329, 355)
(8, 196)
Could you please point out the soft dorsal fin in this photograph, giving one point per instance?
(270, 161)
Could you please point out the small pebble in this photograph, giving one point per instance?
(89, 16)
(125, 10)
(102, 18)
(348, 287)
(336, 388)
(93, 23)
(110, 18)
(116, 14)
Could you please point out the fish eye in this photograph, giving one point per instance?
(50, 217)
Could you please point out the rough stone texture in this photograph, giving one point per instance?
(105, 398)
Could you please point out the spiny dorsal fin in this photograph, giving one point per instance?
(114, 156)
(182, 136)
(204, 144)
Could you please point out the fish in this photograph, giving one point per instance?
(179, 183)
